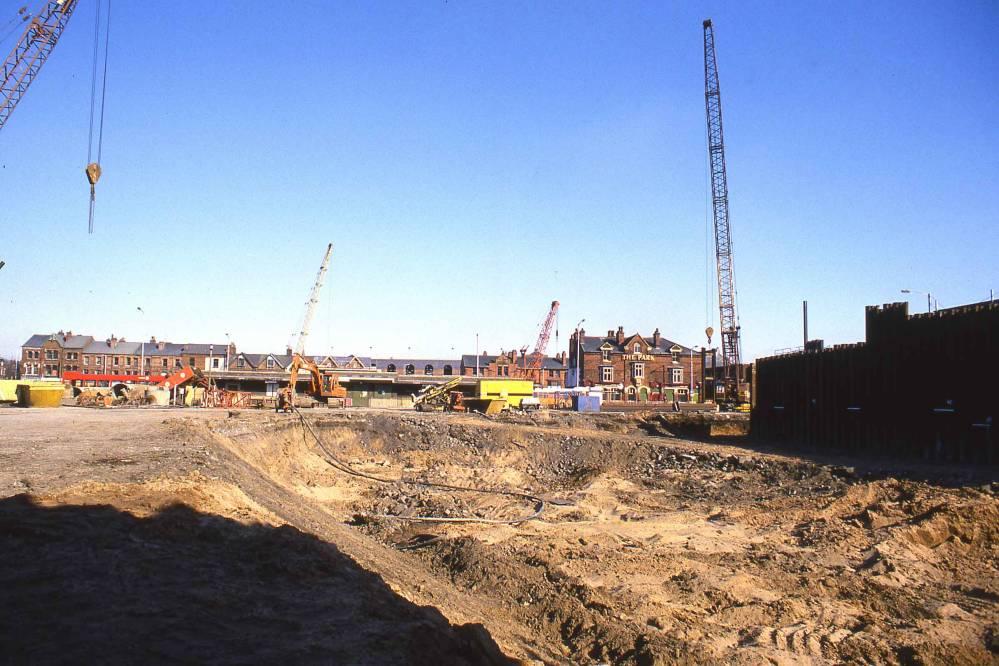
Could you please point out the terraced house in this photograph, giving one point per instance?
(49, 356)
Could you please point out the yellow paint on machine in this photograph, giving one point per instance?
(512, 390)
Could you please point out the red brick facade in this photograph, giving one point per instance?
(636, 368)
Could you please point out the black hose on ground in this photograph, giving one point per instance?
(336, 463)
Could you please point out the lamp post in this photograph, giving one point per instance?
(578, 350)
(476, 354)
(142, 346)
(929, 298)
(228, 345)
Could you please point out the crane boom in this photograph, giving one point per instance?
(538, 356)
(728, 315)
(30, 53)
(310, 306)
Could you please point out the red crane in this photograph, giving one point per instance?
(532, 368)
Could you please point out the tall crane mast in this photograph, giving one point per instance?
(310, 306)
(30, 53)
(538, 356)
(728, 315)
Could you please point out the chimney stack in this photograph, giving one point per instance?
(655, 338)
(620, 335)
(287, 351)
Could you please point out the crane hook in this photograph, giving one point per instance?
(93, 171)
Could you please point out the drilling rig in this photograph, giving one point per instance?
(728, 314)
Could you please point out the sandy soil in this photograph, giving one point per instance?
(171, 535)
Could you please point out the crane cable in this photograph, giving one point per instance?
(93, 169)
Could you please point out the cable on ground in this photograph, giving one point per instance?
(336, 463)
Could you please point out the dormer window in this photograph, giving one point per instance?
(638, 348)
(270, 364)
(606, 354)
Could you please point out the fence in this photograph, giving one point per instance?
(921, 386)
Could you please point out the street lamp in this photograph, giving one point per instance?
(578, 348)
(929, 298)
(142, 345)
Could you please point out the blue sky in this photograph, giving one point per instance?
(473, 161)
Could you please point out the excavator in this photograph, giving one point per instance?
(324, 388)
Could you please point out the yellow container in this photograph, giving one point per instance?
(39, 395)
(511, 390)
(8, 390)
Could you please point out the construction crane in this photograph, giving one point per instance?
(310, 305)
(533, 367)
(728, 315)
(30, 53)
(323, 387)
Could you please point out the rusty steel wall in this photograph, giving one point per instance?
(922, 386)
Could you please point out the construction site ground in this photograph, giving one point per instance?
(138, 535)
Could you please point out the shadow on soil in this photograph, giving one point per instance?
(85, 584)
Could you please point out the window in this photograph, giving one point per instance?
(128, 362)
(86, 360)
(448, 370)
(193, 362)
(114, 361)
(606, 354)
(638, 370)
(240, 362)
(270, 364)
(178, 362)
(390, 367)
(638, 348)
(410, 369)
(676, 375)
(607, 373)
(164, 363)
(215, 363)
(428, 369)
(51, 355)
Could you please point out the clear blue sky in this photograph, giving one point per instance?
(472, 161)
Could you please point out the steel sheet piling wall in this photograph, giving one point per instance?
(922, 386)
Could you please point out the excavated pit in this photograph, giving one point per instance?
(649, 548)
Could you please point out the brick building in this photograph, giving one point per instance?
(511, 364)
(49, 356)
(634, 367)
